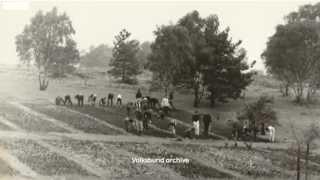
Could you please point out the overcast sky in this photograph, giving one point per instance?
(98, 22)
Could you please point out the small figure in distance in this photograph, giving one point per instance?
(79, 98)
(67, 100)
(119, 100)
(103, 101)
(59, 101)
(110, 99)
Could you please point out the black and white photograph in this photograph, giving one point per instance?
(159, 90)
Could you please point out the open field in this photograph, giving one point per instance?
(39, 140)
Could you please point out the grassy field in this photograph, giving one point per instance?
(288, 112)
(100, 138)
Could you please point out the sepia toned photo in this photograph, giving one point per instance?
(159, 90)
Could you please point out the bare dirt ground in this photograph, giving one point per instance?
(39, 140)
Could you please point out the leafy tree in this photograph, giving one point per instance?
(223, 64)
(220, 64)
(171, 50)
(99, 56)
(124, 60)
(45, 41)
(212, 62)
(195, 26)
(292, 55)
(259, 112)
(305, 12)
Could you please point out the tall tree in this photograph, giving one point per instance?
(42, 38)
(204, 57)
(171, 51)
(124, 62)
(223, 64)
(220, 64)
(195, 26)
(293, 53)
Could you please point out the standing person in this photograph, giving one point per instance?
(272, 133)
(139, 119)
(172, 126)
(246, 126)
(146, 119)
(206, 121)
(129, 108)
(139, 94)
(263, 129)
(161, 114)
(196, 123)
(165, 105)
(171, 99)
(110, 99)
(138, 99)
(119, 99)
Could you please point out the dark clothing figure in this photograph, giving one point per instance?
(206, 122)
(103, 101)
(139, 94)
(153, 102)
(196, 116)
(79, 99)
(236, 130)
(129, 108)
(67, 100)
(59, 101)
(189, 133)
(166, 110)
(110, 99)
(92, 99)
(146, 119)
(161, 114)
(263, 132)
(171, 99)
(119, 100)
(139, 117)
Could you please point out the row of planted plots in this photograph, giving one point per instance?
(115, 158)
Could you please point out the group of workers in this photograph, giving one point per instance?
(92, 100)
(139, 114)
(146, 107)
